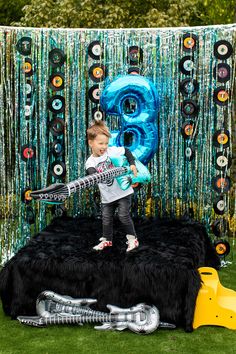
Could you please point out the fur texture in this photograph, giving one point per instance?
(162, 271)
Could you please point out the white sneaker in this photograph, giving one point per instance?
(132, 242)
(103, 244)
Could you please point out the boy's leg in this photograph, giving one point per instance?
(124, 205)
(107, 227)
(127, 222)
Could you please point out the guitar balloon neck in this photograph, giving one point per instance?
(89, 181)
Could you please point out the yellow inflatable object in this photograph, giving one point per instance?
(215, 305)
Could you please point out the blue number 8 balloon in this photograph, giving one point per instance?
(134, 98)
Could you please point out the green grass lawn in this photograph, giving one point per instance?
(18, 339)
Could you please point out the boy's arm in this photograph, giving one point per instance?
(131, 161)
(129, 156)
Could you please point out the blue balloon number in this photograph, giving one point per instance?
(134, 98)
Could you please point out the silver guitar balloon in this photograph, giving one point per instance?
(53, 308)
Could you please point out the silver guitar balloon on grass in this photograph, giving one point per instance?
(54, 309)
(57, 193)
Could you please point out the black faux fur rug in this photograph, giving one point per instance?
(162, 271)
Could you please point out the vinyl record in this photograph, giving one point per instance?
(223, 161)
(23, 45)
(219, 205)
(186, 65)
(189, 87)
(59, 210)
(57, 148)
(97, 114)
(189, 108)
(56, 104)
(134, 70)
(219, 227)
(28, 67)
(56, 82)
(58, 169)
(28, 152)
(189, 153)
(56, 126)
(221, 72)
(28, 111)
(95, 50)
(29, 215)
(223, 49)
(97, 72)
(189, 42)
(25, 195)
(135, 55)
(94, 93)
(222, 247)
(221, 184)
(187, 129)
(56, 57)
(221, 138)
(221, 96)
(28, 88)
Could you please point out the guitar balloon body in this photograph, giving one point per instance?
(57, 193)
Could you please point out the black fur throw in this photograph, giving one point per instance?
(162, 271)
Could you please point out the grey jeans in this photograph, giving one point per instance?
(108, 210)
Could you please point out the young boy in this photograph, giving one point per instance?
(111, 194)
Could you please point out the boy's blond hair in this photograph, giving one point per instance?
(97, 127)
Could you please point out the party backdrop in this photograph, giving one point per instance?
(167, 94)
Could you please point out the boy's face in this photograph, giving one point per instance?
(99, 145)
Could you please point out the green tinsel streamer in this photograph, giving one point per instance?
(178, 185)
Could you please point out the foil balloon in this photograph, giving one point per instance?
(135, 100)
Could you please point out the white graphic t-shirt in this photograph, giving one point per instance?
(110, 190)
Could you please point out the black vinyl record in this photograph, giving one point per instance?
(189, 87)
(221, 138)
(59, 210)
(189, 42)
(56, 57)
(28, 67)
(221, 72)
(56, 104)
(28, 152)
(223, 49)
(97, 72)
(187, 129)
(97, 114)
(221, 184)
(186, 65)
(223, 160)
(94, 93)
(95, 50)
(23, 45)
(56, 126)
(58, 169)
(189, 153)
(56, 81)
(28, 88)
(57, 148)
(189, 108)
(135, 55)
(222, 247)
(219, 205)
(219, 227)
(29, 215)
(25, 195)
(221, 96)
(28, 111)
(134, 70)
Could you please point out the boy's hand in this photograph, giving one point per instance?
(134, 170)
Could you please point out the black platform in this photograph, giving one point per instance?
(162, 271)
